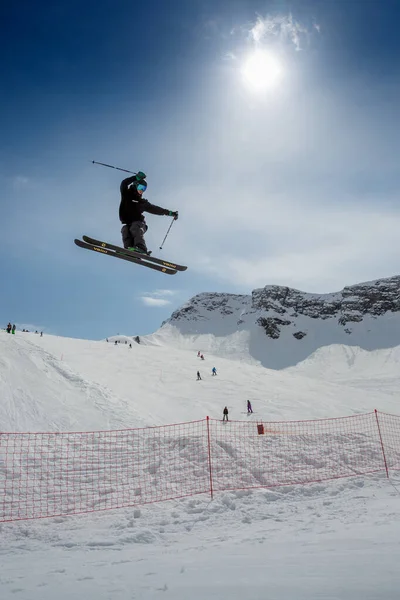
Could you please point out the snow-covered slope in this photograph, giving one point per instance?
(40, 391)
(54, 383)
(279, 327)
(327, 540)
(377, 369)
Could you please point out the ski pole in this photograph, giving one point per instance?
(112, 167)
(166, 235)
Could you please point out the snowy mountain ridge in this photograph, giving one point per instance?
(279, 326)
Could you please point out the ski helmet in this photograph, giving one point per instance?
(140, 175)
(140, 181)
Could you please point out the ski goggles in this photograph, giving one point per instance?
(141, 187)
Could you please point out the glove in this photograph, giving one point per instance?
(174, 214)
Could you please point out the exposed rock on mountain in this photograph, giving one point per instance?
(279, 326)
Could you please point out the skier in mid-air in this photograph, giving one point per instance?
(131, 210)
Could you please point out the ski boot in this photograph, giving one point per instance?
(140, 250)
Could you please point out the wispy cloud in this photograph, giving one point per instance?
(149, 301)
(160, 293)
(281, 27)
(159, 297)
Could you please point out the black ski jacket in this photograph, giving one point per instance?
(133, 205)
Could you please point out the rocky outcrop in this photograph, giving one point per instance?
(274, 307)
(272, 325)
(299, 335)
(283, 325)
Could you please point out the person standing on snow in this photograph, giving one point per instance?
(198, 376)
(214, 371)
(131, 210)
(225, 414)
(249, 408)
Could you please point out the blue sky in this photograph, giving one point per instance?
(296, 183)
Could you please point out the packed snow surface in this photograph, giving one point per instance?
(336, 540)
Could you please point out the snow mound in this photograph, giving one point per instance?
(375, 369)
(39, 390)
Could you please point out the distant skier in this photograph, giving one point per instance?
(225, 414)
(198, 354)
(9, 328)
(198, 376)
(13, 329)
(131, 210)
(202, 356)
(214, 371)
(249, 408)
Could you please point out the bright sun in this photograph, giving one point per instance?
(261, 71)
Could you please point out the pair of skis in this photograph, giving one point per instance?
(152, 262)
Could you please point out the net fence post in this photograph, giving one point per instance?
(382, 446)
(209, 458)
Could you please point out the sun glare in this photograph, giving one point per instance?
(261, 71)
